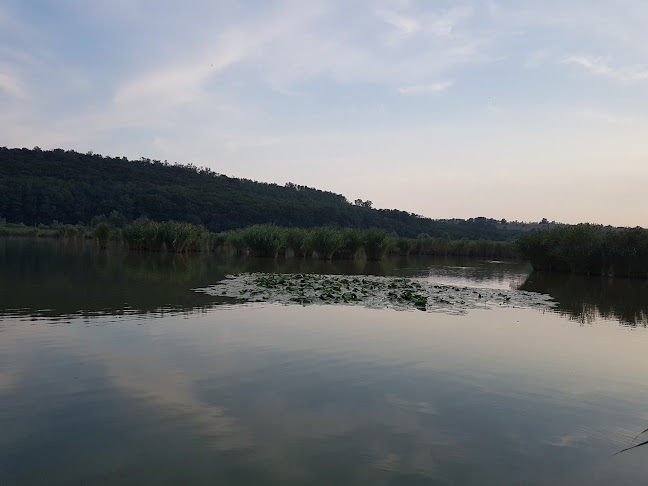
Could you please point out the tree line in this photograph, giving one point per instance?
(45, 186)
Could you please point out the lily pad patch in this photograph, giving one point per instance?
(370, 291)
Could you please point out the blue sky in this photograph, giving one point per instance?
(517, 110)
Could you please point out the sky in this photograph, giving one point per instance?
(520, 110)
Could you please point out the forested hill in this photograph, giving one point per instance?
(38, 186)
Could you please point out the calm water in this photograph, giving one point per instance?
(113, 371)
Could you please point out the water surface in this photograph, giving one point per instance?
(113, 371)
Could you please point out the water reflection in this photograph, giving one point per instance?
(289, 395)
(586, 299)
(478, 273)
(52, 278)
(56, 279)
(268, 394)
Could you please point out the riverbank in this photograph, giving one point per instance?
(582, 249)
(269, 240)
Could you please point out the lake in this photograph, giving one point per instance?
(114, 370)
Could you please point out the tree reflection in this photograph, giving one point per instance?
(585, 299)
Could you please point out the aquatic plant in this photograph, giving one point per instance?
(370, 291)
(71, 231)
(296, 240)
(588, 249)
(102, 232)
(403, 246)
(426, 245)
(352, 242)
(325, 241)
(20, 229)
(263, 240)
(143, 234)
(376, 243)
(216, 241)
(181, 237)
(235, 239)
(628, 252)
(177, 237)
(586, 300)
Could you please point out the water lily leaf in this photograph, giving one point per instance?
(371, 291)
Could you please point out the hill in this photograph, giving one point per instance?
(38, 186)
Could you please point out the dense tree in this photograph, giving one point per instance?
(40, 186)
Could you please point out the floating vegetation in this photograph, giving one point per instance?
(370, 291)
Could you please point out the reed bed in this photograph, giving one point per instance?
(177, 237)
(53, 230)
(588, 249)
(580, 249)
(325, 241)
(426, 245)
(102, 232)
(352, 243)
(265, 240)
(377, 243)
(296, 239)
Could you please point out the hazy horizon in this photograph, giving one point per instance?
(451, 110)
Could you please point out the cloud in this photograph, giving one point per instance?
(216, 84)
(445, 23)
(419, 89)
(261, 41)
(599, 66)
(535, 59)
(182, 82)
(12, 85)
(435, 24)
(402, 23)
